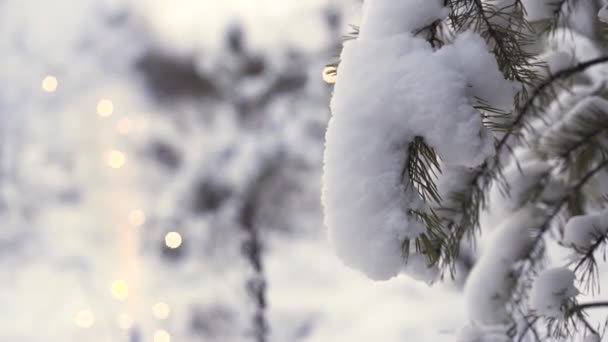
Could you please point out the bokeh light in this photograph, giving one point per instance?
(137, 217)
(120, 289)
(116, 159)
(161, 310)
(330, 74)
(105, 107)
(162, 336)
(84, 318)
(173, 240)
(123, 126)
(125, 321)
(49, 84)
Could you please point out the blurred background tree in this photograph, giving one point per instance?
(160, 169)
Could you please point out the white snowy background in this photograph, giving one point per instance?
(122, 121)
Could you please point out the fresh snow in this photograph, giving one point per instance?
(582, 231)
(552, 291)
(387, 93)
(490, 285)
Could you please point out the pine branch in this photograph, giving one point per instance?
(586, 265)
(421, 170)
(539, 92)
(555, 208)
(587, 306)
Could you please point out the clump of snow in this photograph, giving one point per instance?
(582, 231)
(491, 282)
(567, 47)
(392, 87)
(539, 9)
(383, 18)
(602, 14)
(552, 291)
(469, 54)
(522, 176)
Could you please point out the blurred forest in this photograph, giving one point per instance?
(160, 171)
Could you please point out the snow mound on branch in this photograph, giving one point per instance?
(523, 175)
(391, 88)
(582, 231)
(539, 9)
(552, 290)
(489, 286)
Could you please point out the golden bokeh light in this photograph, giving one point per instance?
(173, 240)
(105, 107)
(120, 289)
(84, 318)
(330, 74)
(161, 310)
(162, 336)
(49, 84)
(116, 159)
(123, 126)
(125, 321)
(137, 217)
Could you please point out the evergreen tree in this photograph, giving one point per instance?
(476, 127)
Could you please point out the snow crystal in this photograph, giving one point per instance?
(552, 290)
(582, 231)
(380, 104)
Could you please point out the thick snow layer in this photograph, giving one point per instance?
(582, 231)
(382, 18)
(539, 9)
(490, 284)
(469, 54)
(552, 290)
(522, 176)
(392, 87)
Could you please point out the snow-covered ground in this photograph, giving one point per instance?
(200, 97)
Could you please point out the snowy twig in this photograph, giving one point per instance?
(538, 91)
